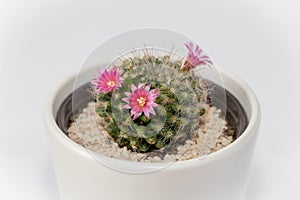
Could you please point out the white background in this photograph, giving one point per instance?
(42, 42)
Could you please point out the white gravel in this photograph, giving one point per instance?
(87, 130)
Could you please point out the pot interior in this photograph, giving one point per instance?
(235, 114)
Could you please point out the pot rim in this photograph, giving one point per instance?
(254, 118)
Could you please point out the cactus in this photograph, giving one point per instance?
(179, 99)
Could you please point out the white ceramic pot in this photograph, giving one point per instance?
(219, 176)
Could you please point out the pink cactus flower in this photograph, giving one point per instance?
(141, 100)
(194, 56)
(108, 81)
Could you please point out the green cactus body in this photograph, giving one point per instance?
(177, 116)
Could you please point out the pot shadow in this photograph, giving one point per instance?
(46, 174)
(256, 181)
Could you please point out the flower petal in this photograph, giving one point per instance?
(125, 100)
(151, 110)
(137, 115)
(147, 114)
(133, 88)
(127, 106)
(147, 88)
(140, 85)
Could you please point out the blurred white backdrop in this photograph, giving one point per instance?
(42, 42)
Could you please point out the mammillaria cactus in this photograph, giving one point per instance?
(151, 102)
